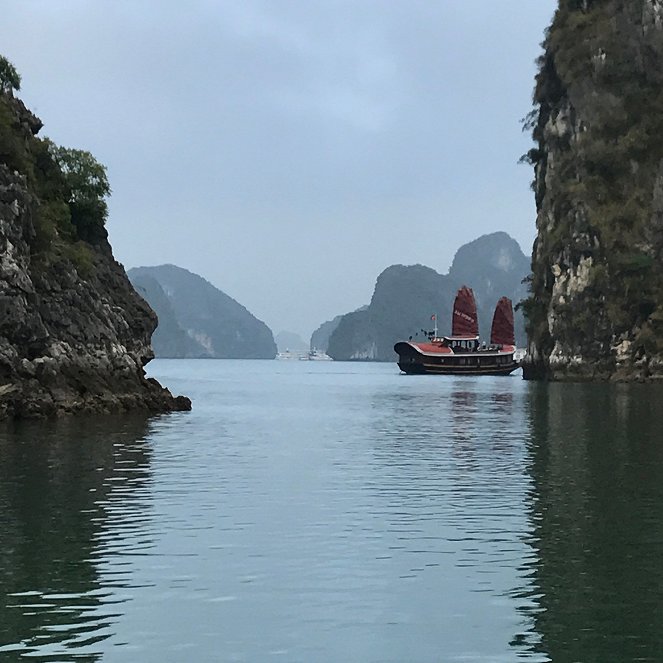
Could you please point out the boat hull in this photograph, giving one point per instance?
(433, 369)
(412, 361)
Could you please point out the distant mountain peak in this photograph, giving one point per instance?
(406, 296)
(214, 324)
(286, 340)
(498, 250)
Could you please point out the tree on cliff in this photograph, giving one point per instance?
(86, 188)
(71, 185)
(10, 79)
(74, 334)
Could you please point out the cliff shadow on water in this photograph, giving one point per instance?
(595, 507)
(74, 502)
(551, 493)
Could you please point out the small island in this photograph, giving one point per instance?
(74, 334)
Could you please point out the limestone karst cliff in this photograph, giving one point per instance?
(406, 296)
(74, 335)
(320, 337)
(215, 325)
(596, 305)
(169, 338)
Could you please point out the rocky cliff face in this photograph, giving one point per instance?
(320, 337)
(74, 335)
(596, 306)
(405, 297)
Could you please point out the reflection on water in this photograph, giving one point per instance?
(338, 512)
(596, 505)
(74, 498)
(455, 493)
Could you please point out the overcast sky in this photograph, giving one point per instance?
(289, 151)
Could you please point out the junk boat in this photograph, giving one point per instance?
(462, 353)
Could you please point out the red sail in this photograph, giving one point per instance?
(502, 332)
(464, 319)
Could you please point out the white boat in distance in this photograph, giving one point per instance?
(290, 354)
(312, 355)
(317, 355)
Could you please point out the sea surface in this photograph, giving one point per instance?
(338, 512)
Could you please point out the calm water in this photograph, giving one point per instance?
(319, 512)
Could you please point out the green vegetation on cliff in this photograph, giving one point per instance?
(596, 305)
(70, 185)
(10, 79)
(74, 334)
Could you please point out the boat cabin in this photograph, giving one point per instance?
(461, 343)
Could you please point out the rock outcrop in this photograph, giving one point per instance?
(403, 301)
(493, 266)
(320, 337)
(405, 297)
(74, 335)
(596, 305)
(169, 339)
(219, 326)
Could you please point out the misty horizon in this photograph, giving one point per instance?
(289, 154)
(304, 336)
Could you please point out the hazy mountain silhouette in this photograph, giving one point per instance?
(406, 297)
(198, 320)
(286, 340)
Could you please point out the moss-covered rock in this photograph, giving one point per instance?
(596, 303)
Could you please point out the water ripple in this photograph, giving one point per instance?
(337, 512)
